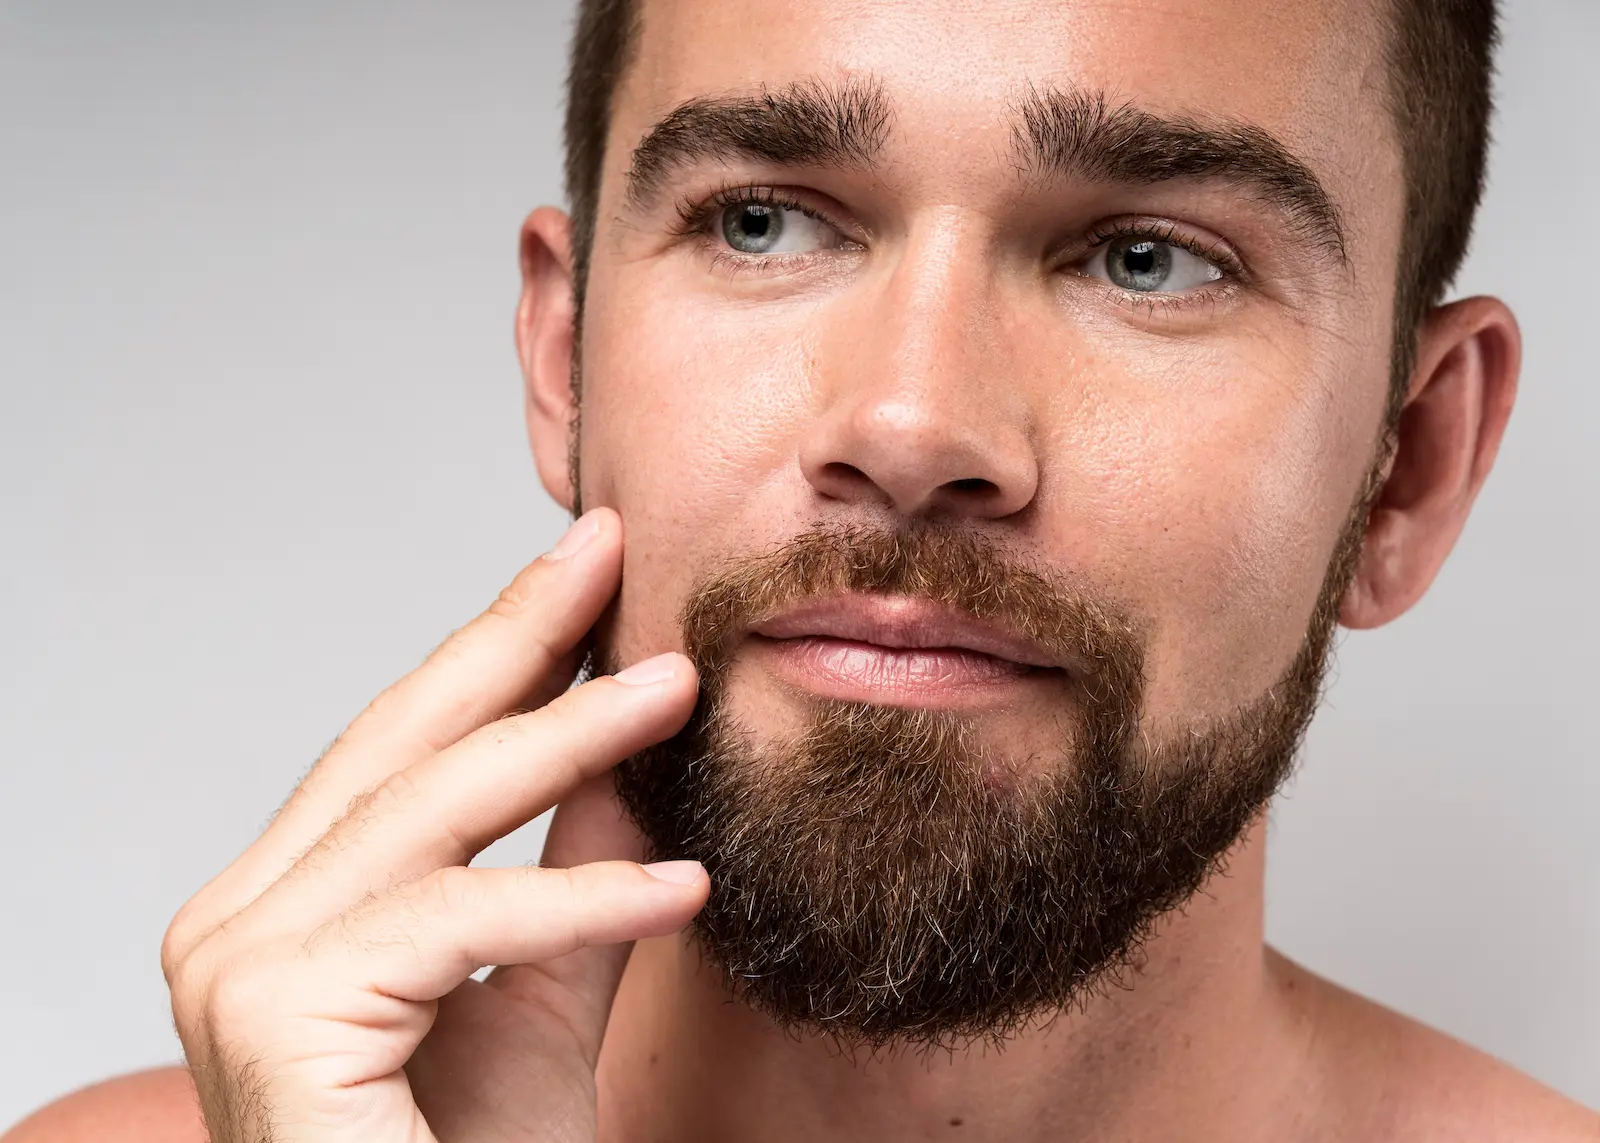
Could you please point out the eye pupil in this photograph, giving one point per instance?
(1142, 264)
(752, 227)
(755, 220)
(1140, 259)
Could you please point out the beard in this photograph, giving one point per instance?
(873, 881)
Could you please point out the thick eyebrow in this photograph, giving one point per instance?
(1066, 133)
(811, 124)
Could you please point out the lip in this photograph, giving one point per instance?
(900, 622)
(895, 649)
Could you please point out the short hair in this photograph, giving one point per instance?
(1440, 63)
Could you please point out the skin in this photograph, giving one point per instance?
(1195, 463)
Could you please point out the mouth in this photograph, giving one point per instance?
(896, 650)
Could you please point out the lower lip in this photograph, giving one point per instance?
(866, 672)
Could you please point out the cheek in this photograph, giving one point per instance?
(1206, 487)
(691, 415)
(1201, 485)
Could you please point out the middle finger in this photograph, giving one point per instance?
(524, 643)
(444, 810)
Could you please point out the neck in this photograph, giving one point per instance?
(1202, 1044)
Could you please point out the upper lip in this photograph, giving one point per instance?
(902, 622)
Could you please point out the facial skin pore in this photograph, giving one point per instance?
(890, 878)
(938, 336)
(1195, 456)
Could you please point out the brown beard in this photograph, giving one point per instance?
(872, 883)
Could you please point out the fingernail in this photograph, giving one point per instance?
(677, 872)
(642, 674)
(584, 529)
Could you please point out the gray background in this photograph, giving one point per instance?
(261, 448)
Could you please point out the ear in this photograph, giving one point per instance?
(1465, 380)
(544, 346)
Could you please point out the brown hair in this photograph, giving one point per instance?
(1440, 64)
(1441, 69)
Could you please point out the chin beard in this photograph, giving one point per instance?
(872, 883)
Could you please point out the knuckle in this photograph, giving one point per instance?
(537, 880)
(510, 732)
(576, 889)
(396, 708)
(519, 596)
(563, 727)
(446, 892)
(397, 791)
(236, 996)
(574, 884)
(188, 983)
(560, 900)
(573, 890)
(189, 986)
(185, 945)
(594, 702)
(176, 942)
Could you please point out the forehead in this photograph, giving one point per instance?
(1278, 58)
(1311, 72)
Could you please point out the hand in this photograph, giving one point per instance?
(321, 983)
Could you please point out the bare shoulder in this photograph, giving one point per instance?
(154, 1106)
(1418, 1084)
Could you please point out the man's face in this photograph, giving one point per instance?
(1106, 289)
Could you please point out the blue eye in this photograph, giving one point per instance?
(771, 228)
(1141, 265)
(752, 228)
(1146, 265)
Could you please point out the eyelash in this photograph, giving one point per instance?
(1218, 253)
(695, 217)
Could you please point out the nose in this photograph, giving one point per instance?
(918, 409)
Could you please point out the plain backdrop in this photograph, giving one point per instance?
(261, 448)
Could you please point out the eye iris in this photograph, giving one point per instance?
(752, 228)
(1139, 263)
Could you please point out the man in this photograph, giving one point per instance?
(984, 414)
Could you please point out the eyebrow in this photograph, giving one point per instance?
(806, 124)
(1056, 133)
(1060, 133)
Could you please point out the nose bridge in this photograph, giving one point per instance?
(930, 336)
(915, 406)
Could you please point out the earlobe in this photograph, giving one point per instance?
(1462, 389)
(545, 331)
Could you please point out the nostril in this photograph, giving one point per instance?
(847, 474)
(908, 491)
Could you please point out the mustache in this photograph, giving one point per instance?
(952, 565)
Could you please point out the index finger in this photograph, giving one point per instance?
(522, 648)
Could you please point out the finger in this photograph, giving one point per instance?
(447, 808)
(588, 826)
(524, 644)
(421, 940)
